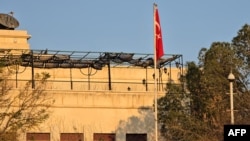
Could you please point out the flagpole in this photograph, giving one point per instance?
(155, 80)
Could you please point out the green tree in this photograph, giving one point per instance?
(207, 89)
(241, 45)
(175, 118)
(211, 101)
(22, 109)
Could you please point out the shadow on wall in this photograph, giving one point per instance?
(141, 124)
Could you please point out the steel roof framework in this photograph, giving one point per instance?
(50, 59)
(81, 59)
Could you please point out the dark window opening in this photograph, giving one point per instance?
(38, 137)
(136, 137)
(104, 137)
(71, 137)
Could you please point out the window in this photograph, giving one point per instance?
(104, 137)
(8, 137)
(71, 137)
(136, 137)
(38, 137)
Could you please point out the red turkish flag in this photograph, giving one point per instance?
(158, 36)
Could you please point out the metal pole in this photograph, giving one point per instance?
(231, 102)
(231, 79)
(32, 70)
(155, 81)
(16, 73)
(71, 82)
(109, 75)
(89, 73)
(146, 78)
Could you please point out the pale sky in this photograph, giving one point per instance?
(127, 25)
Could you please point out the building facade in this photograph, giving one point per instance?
(96, 97)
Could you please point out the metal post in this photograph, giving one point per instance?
(155, 82)
(231, 102)
(109, 75)
(32, 70)
(146, 78)
(17, 68)
(71, 82)
(231, 78)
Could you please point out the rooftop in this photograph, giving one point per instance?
(80, 59)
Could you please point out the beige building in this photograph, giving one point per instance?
(98, 95)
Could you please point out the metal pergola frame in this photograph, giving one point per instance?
(50, 59)
(81, 59)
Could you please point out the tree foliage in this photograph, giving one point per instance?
(173, 117)
(207, 93)
(22, 109)
(241, 45)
